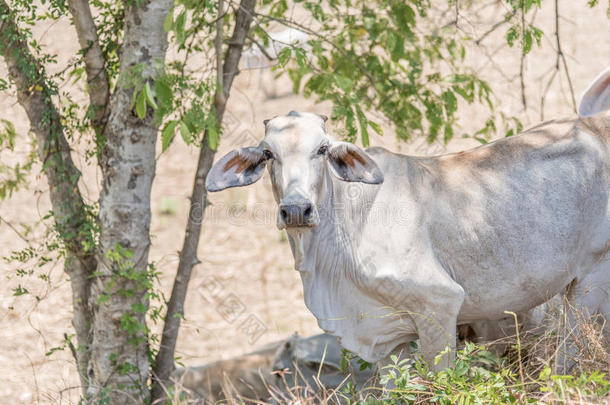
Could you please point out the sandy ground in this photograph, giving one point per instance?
(245, 261)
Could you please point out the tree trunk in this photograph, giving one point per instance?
(164, 363)
(95, 64)
(70, 213)
(119, 366)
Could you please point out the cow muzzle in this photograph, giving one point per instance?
(300, 214)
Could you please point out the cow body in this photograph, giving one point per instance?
(502, 227)
(393, 247)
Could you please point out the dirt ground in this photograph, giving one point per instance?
(245, 260)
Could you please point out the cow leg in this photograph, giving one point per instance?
(586, 297)
(495, 332)
(437, 324)
(437, 332)
(490, 332)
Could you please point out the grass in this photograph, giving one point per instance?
(522, 375)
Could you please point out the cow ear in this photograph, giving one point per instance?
(350, 163)
(597, 97)
(237, 168)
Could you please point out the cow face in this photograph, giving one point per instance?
(298, 154)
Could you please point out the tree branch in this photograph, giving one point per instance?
(559, 59)
(301, 27)
(164, 364)
(494, 27)
(220, 95)
(69, 211)
(561, 56)
(95, 64)
(522, 59)
(261, 48)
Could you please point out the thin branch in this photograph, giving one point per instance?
(562, 56)
(71, 347)
(522, 59)
(26, 240)
(494, 27)
(261, 48)
(164, 362)
(95, 63)
(307, 30)
(545, 92)
(559, 60)
(220, 95)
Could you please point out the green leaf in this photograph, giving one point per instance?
(301, 58)
(8, 134)
(164, 93)
(284, 56)
(19, 290)
(404, 15)
(450, 102)
(185, 133)
(167, 135)
(363, 122)
(149, 96)
(512, 35)
(141, 105)
(344, 83)
(212, 137)
(527, 42)
(448, 133)
(212, 131)
(545, 373)
(376, 127)
(169, 21)
(179, 26)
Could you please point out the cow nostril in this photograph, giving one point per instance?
(284, 213)
(307, 212)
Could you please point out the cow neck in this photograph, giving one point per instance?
(330, 245)
(328, 260)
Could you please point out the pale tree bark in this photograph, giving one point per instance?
(70, 212)
(164, 364)
(119, 367)
(95, 64)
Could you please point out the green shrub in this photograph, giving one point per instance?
(479, 377)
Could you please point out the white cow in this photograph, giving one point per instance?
(389, 245)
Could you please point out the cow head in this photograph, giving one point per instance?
(298, 154)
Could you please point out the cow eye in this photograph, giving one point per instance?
(323, 149)
(268, 154)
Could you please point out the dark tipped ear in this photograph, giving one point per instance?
(350, 163)
(237, 168)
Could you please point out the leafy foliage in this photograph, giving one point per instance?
(186, 97)
(522, 30)
(478, 377)
(385, 56)
(110, 19)
(13, 176)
